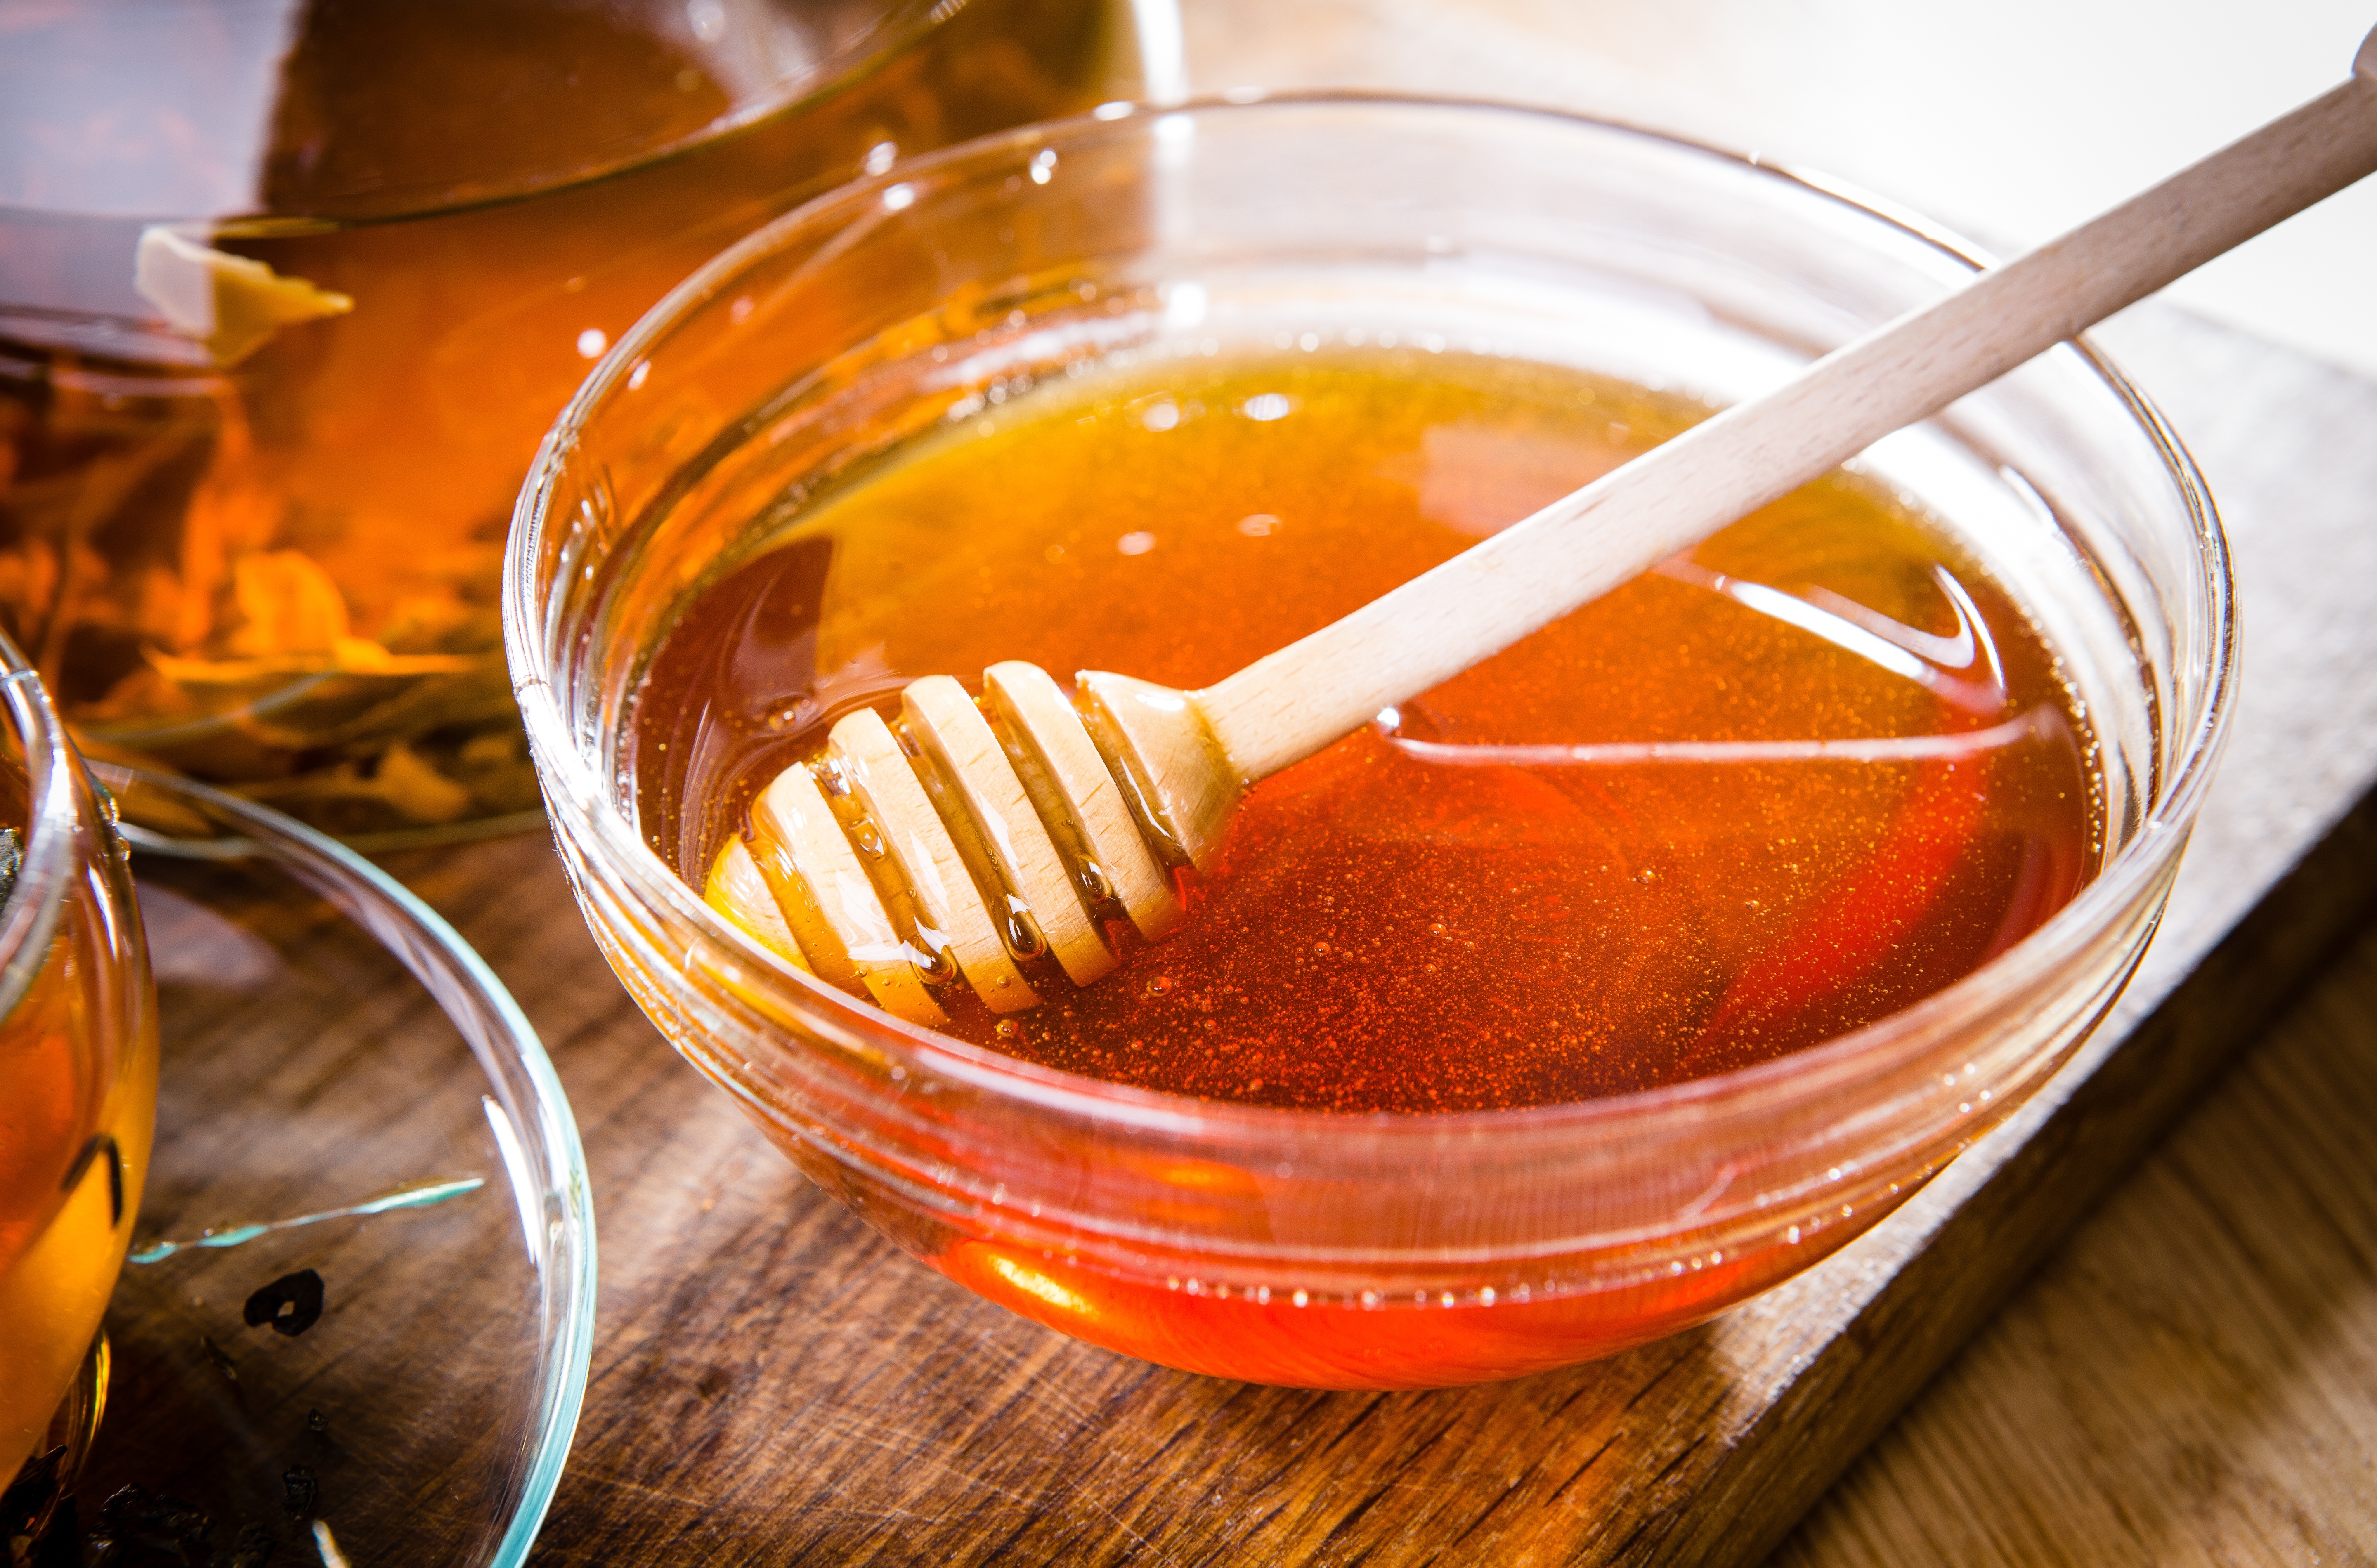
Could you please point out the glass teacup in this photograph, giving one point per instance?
(77, 1086)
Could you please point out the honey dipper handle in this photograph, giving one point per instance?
(1284, 708)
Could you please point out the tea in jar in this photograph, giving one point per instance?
(287, 293)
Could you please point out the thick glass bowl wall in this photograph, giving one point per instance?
(1310, 1248)
(78, 1065)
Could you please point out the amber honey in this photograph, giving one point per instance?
(1808, 773)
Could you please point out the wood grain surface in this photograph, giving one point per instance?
(2192, 1379)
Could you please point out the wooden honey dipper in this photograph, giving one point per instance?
(1002, 830)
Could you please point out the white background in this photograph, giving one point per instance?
(2009, 122)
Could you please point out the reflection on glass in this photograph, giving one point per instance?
(78, 1083)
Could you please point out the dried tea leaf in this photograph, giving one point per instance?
(362, 656)
(347, 655)
(205, 673)
(253, 1548)
(29, 583)
(290, 604)
(29, 1497)
(133, 1517)
(231, 303)
(405, 781)
(361, 719)
(418, 790)
(499, 750)
(290, 1304)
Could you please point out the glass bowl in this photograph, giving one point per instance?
(1296, 1248)
(288, 294)
(78, 1091)
(347, 1093)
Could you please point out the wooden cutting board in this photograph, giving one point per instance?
(773, 1383)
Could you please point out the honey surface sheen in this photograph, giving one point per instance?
(1813, 771)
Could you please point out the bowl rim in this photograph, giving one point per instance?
(571, 784)
(54, 817)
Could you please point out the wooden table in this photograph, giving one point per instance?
(2192, 1377)
(2189, 1377)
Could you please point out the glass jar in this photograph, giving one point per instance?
(78, 1083)
(1289, 1247)
(286, 293)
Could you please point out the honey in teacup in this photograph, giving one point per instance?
(1789, 783)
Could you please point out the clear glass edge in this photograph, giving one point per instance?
(525, 1080)
(45, 869)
